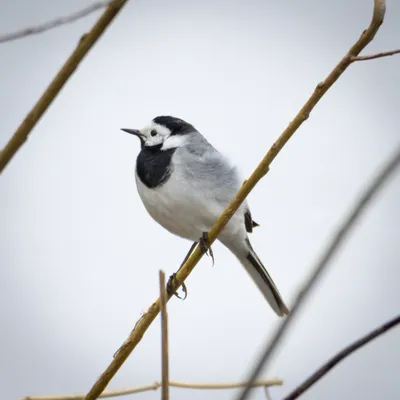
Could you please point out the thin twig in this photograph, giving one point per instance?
(324, 369)
(267, 394)
(218, 386)
(164, 340)
(34, 30)
(262, 169)
(157, 385)
(85, 44)
(373, 56)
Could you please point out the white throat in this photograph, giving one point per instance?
(174, 141)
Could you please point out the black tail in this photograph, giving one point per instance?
(264, 281)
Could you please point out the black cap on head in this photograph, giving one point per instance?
(177, 126)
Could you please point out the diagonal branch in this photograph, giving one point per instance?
(55, 23)
(157, 385)
(321, 266)
(324, 369)
(262, 169)
(85, 44)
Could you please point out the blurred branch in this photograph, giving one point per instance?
(85, 44)
(267, 395)
(34, 30)
(365, 38)
(373, 56)
(157, 385)
(322, 264)
(327, 256)
(164, 339)
(146, 320)
(317, 375)
(338, 239)
(218, 386)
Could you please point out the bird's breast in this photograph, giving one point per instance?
(153, 166)
(180, 199)
(173, 206)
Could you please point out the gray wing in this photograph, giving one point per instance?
(209, 171)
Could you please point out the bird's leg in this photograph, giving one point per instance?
(205, 246)
(172, 278)
(188, 255)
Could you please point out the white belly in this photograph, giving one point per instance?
(185, 210)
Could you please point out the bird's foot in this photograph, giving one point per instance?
(172, 284)
(205, 246)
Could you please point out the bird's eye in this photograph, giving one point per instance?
(153, 132)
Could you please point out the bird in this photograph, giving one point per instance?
(185, 184)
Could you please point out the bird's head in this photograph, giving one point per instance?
(163, 133)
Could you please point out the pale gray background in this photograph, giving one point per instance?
(79, 254)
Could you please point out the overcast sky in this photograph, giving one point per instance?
(79, 254)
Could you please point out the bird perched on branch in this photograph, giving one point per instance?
(185, 185)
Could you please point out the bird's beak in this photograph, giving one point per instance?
(135, 132)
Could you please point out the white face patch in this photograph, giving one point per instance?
(173, 142)
(155, 134)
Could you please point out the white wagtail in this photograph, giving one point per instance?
(185, 185)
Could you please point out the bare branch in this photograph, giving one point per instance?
(373, 56)
(55, 23)
(324, 369)
(218, 386)
(267, 395)
(85, 44)
(262, 169)
(322, 264)
(157, 385)
(164, 340)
